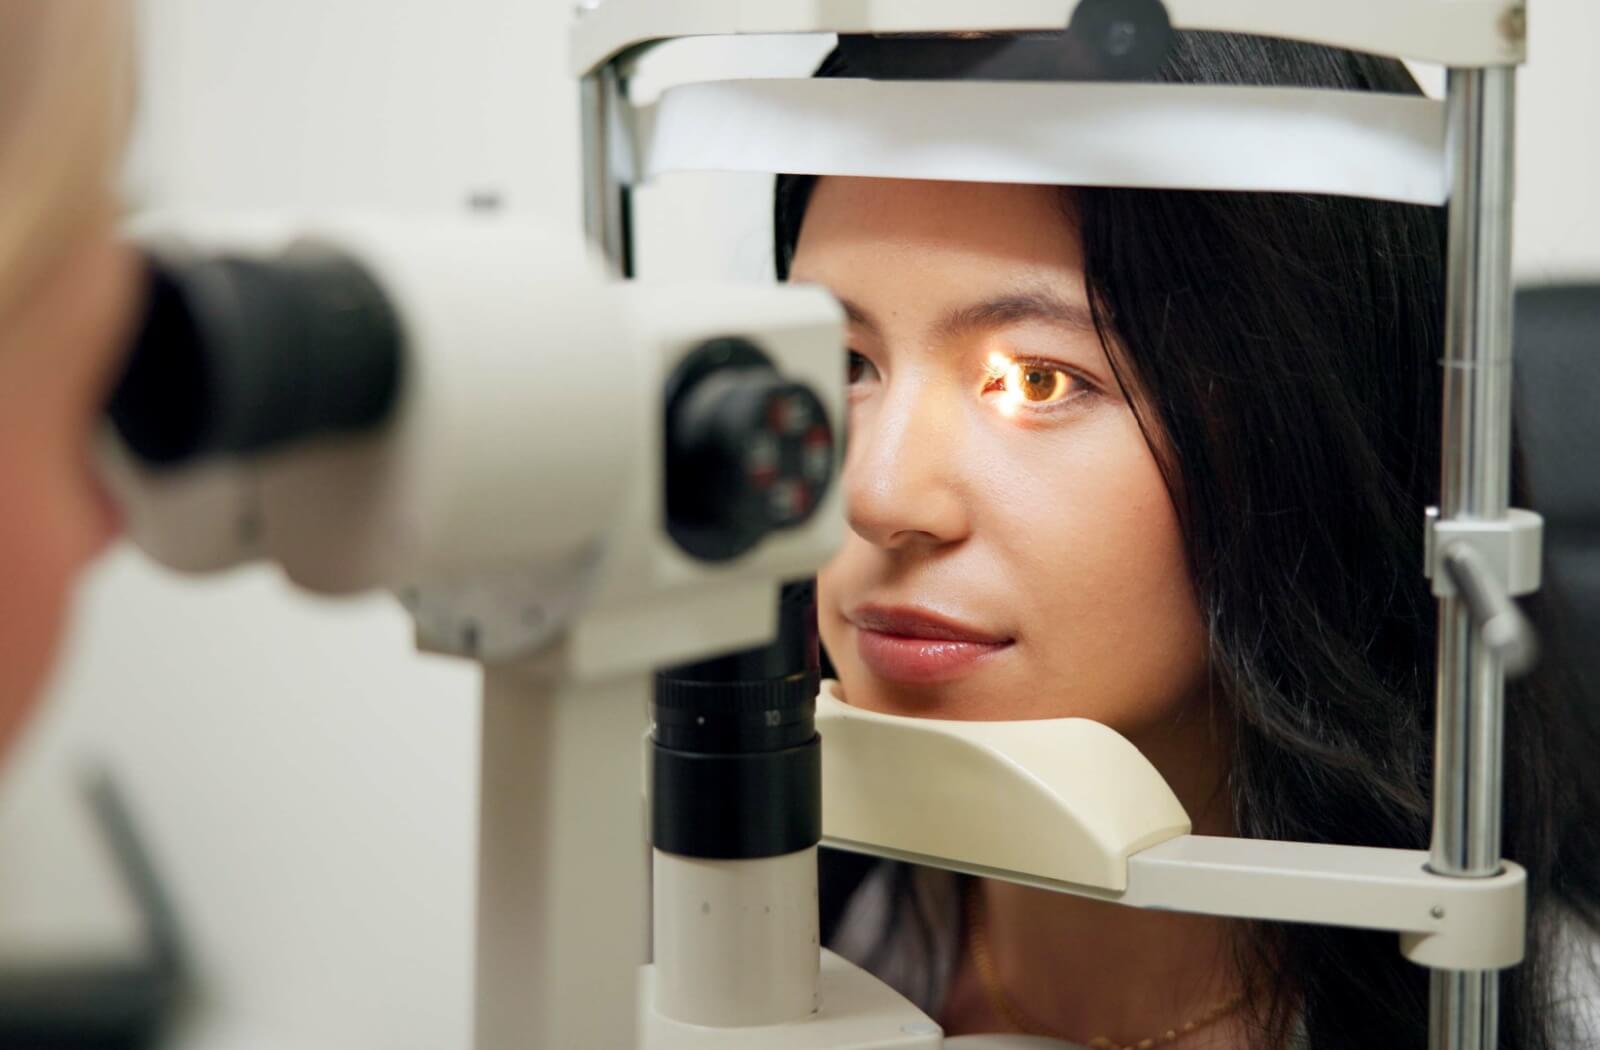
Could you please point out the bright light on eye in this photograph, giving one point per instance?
(1017, 383)
(1011, 398)
(1012, 392)
(1008, 372)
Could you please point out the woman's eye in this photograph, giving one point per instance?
(1038, 384)
(1032, 383)
(858, 369)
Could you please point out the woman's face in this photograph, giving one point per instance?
(59, 353)
(1013, 551)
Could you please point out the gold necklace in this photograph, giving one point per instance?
(1002, 1004)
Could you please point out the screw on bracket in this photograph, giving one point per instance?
(1514, 23)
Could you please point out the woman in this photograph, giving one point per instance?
(1160, 459)
(66, 290)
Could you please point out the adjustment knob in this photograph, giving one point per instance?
(748, 452)
(1119, 39)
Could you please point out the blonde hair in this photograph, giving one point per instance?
(65, 85)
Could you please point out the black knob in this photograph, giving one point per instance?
(747, 451)
(1120, 39)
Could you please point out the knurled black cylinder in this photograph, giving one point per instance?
(736, 806)
(735, 717)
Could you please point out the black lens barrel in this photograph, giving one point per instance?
(736, 769)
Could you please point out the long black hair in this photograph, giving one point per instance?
(1286, 348)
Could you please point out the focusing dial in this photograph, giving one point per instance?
(748, 452)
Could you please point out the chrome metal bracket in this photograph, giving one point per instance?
(1511, 548)
(1486, 564)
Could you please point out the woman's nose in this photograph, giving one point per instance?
(901, 478)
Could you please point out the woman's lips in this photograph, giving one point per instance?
(918, 648)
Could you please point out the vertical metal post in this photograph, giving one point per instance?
(607, 217)
(561, 859)
(1464, 1006)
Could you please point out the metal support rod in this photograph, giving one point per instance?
(1475, 484)
(561, 859)
(607, 198)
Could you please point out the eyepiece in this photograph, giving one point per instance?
(234, 356)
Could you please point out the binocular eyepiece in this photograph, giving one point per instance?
(235, 355)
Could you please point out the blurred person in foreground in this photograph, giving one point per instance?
(67, 291)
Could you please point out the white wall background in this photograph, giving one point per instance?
(308, 782)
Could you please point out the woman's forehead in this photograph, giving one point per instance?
(868, 238)
(1004, 212)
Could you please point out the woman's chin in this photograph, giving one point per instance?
(959, 702)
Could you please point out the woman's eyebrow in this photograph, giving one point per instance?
(857, 314)
(1034, 305)
(1014, 308)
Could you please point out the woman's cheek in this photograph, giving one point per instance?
(831, 586)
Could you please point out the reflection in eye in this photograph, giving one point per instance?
(1026, 382)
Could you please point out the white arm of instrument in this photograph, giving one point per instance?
(1463, 33)
(1069, 805)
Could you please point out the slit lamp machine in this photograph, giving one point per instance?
(386, 402)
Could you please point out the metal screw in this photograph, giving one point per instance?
(1514, 24)
(1438, 911)
(1120, 38)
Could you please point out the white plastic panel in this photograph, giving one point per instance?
(1137, 135)
(736, 941)
(1445, 923)
(562, 879)
(856, 1012)
(1450, 32)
